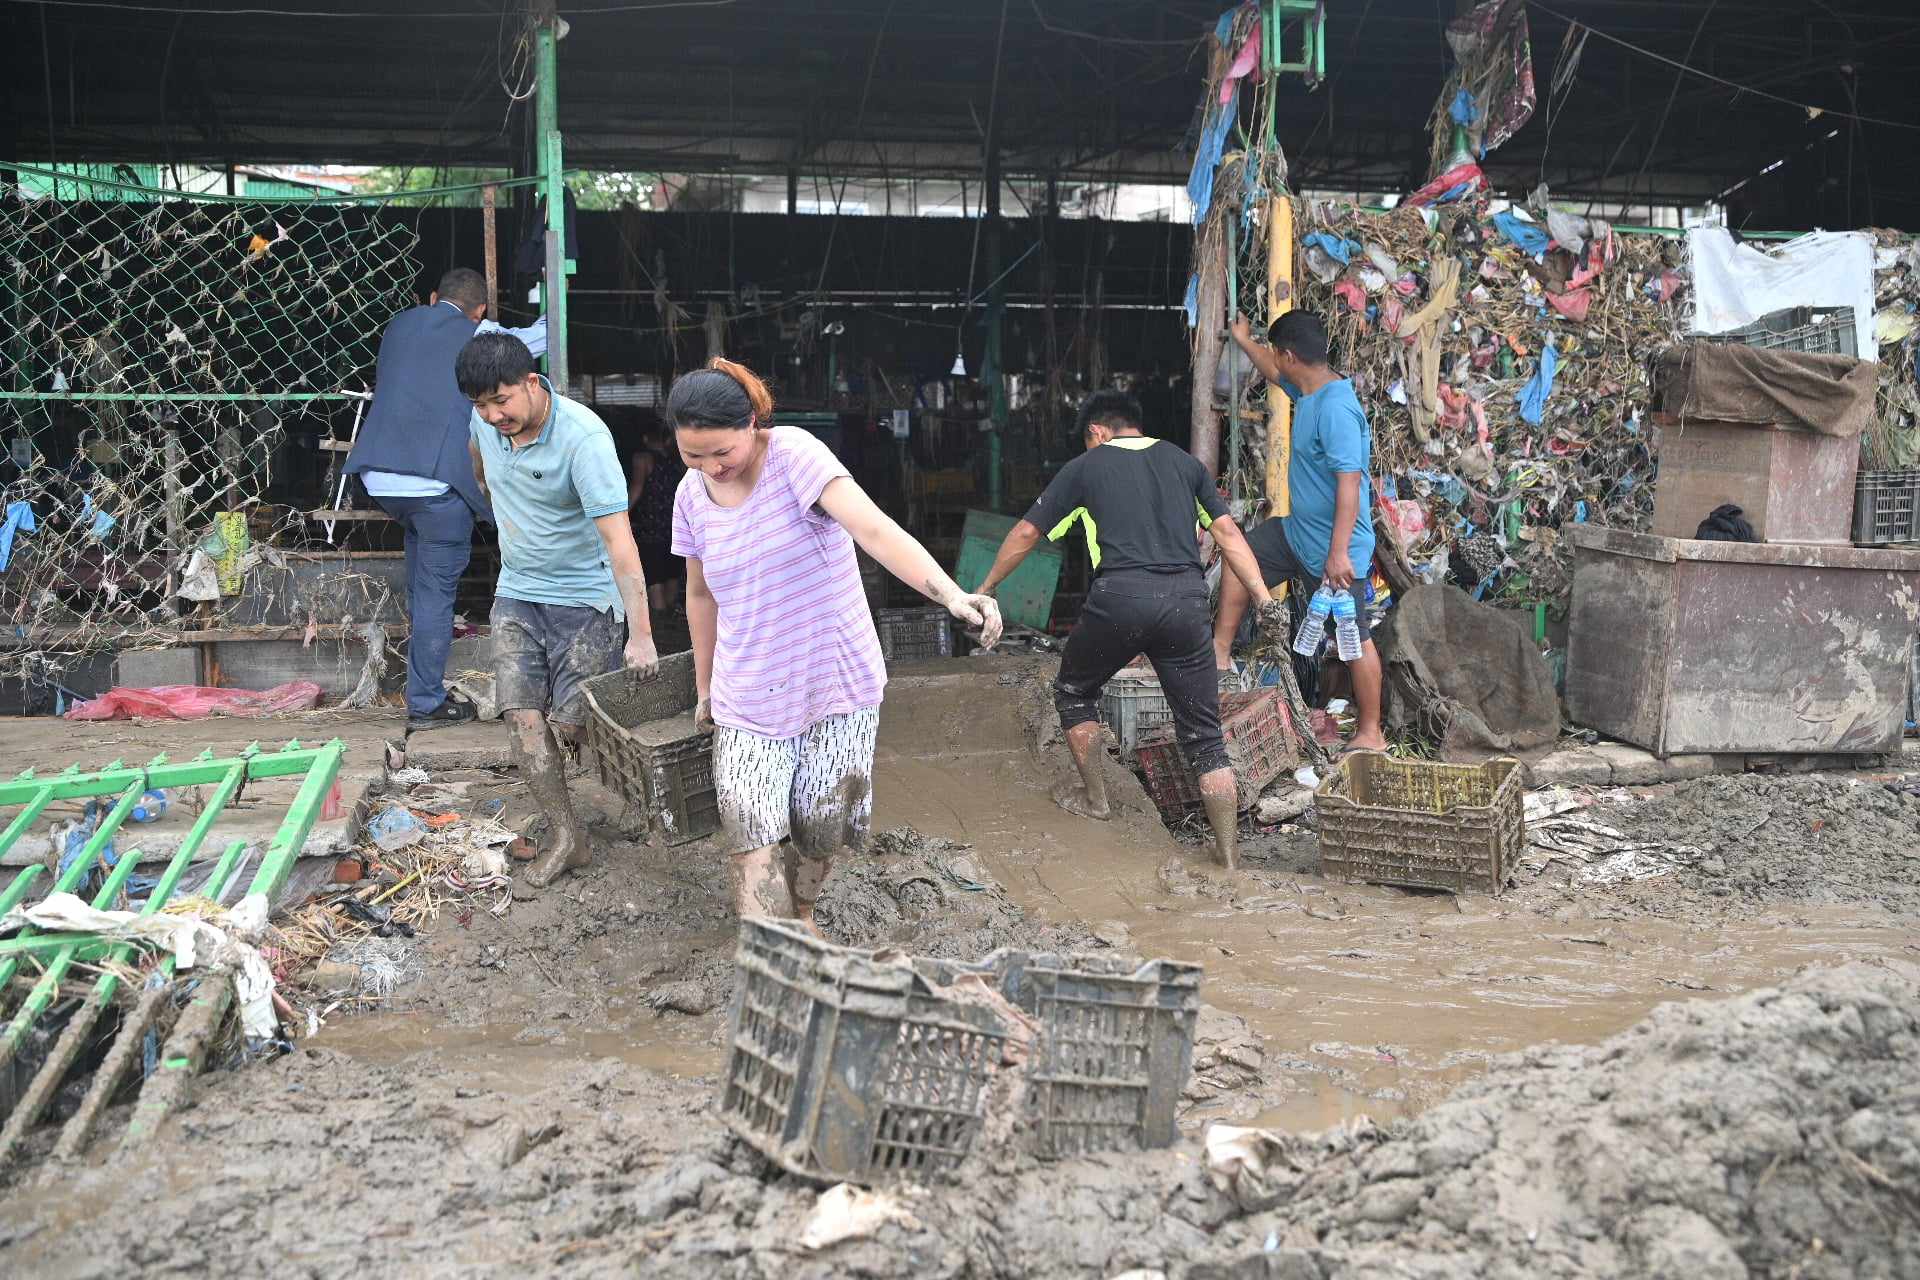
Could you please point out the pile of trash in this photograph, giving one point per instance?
(1893, 439)
(425, 850)
(1501, 357)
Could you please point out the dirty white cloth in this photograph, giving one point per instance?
(845, 1212)
(1736, 284)
(1234, 1152)
(192, 940)
(816, 786)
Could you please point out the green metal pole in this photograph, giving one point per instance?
(301, 815)
(106, 1080)
(49, 985)
(546, 69)
(41, 798)
(82, 865)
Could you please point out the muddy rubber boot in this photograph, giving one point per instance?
(541, 767)
(805, 877)
(760, 884)
(1089, 798)
(1220, 795)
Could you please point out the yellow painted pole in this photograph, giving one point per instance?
(1279, 302)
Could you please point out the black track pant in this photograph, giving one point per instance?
(1163, 615)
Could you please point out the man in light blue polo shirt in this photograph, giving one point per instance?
(569, 570)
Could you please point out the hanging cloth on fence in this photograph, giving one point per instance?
(19, 520)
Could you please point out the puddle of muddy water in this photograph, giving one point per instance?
(1367, 999)
(517, 1058)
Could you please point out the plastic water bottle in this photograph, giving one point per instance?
(1346, 626)
(150, 807)
(1314, 629)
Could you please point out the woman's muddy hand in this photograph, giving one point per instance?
(703, 714)
(981, 615)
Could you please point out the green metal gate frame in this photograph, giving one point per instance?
(319, 769)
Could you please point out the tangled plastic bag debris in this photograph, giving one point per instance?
(845, 1212)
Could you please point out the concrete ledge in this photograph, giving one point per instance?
(1615, 764)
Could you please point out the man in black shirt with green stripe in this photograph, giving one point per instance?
(1137, 500)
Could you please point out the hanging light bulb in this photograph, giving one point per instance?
(959, 364)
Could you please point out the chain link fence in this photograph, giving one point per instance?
(157, 353)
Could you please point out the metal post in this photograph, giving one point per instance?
(547, 131)
(993, 372)
(1279, 302)
(489, 196)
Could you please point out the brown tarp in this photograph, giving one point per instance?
(1468, 676)
(1728, 382)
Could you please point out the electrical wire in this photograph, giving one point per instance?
(986, 170)
(1100, 39)
(398, 15)
(1808, 107)
(1646, 157)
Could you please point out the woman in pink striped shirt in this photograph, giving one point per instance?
(785, 654)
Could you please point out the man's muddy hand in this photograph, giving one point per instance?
(980, 615)
(1273, 620)
(640, 654)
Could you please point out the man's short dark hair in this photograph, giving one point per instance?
(464, 287)
(1302, 333)
(1115, 409)
(491, 361)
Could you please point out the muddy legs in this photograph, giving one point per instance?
(778, 881)
(805, 876)
(1220, 795)
(542, 765)
(759, 883)
(1089, 798)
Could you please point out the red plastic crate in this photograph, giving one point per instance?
(1168, 783)
(1260, 747)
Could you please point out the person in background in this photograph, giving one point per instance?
(1329, 533)
(786, 658)
(411, 455)
(569, 572)
(1138, 500)
(654, 479)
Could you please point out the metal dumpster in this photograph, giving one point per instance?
(1680, 646)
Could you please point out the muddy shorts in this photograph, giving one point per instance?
(815, 788)
(1279, 565)
(544, 653)
(1165, 617)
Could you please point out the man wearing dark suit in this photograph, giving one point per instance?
(412, 457)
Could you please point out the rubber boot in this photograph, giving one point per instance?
(805, 877)
(1220, 795)
(1089, 799)
(541, 766)
(759, 884)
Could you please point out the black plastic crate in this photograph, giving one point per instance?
(914, 633)
(1809, 330)
(667, 775)
(846, 1066)
(1886, 507)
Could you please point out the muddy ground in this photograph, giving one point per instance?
(538, 1096)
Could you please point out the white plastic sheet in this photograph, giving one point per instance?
(1736, 284)
(191, 939)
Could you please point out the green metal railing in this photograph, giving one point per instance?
(54, 955)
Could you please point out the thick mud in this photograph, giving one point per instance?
(1773, 1134)
(539, 1097)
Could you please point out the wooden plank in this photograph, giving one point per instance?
(328, 516)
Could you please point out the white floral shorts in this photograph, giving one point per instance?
(815, 788)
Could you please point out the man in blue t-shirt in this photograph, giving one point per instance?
(1328, 535)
